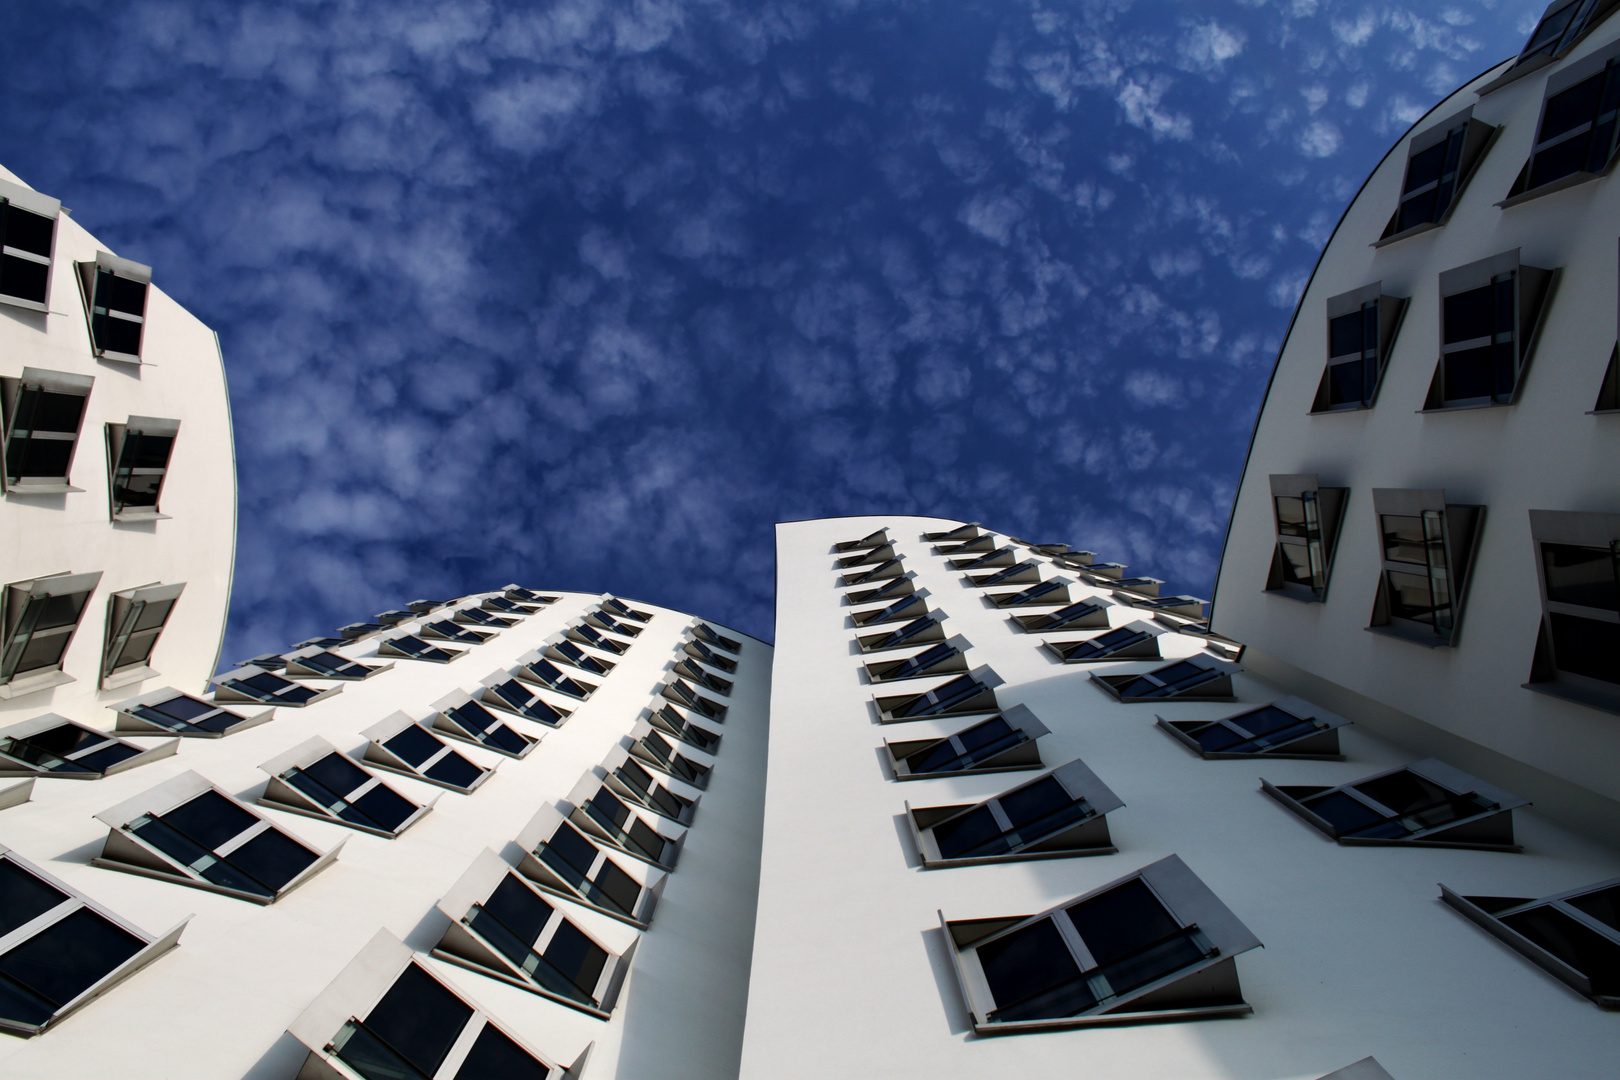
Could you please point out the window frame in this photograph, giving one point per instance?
(1527, 62)
(1534, 290)
(1475, 142)
(465, 635)
(27, 593)
(1603, 63)
(29, 201)
(1332, 504)
(11, 766)
(606, 623)
(89, 278)
(699, 651)
(677, 690)
(377, 755)
(961, 532)
(981, 700)
(1086, 836)
(225, 689)
(1390, 316)
(280, 794)
(951, 662)
(445, 722)
(1462, 525)
(477, 616)
(712, 637)
(1022, 756)
(501, 606)
(1573, 529)
(632, 791)
(870, 540)
(701, 767)
(118, 436)
(297, 666)
(521, 595)
(491, 696)
(879, 554)
(582, 796)
(1218, 688)
(883, 571)
(1094, 619)
(623, 610)
(1001, 556)
(52, 382)
(1319, 744)
(680, 727)
(131, 722)
(555, 650)
(1143, 645)
(1486, 912)
(390, 647)
(592, 638)
(1052, 591)
(906, 608)
(688, 668)
(904, 585)
(1027, 572)
(536, 837)
(123, 615)
(934, 631)
(977, 542)
(528, 669)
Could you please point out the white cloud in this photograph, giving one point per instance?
(1320, 139)
(1152, 389)
(1207, 45)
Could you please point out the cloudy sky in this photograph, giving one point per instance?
(587, 294)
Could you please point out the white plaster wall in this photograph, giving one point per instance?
(850, 972)
(183, 378)
(1544, 452)
(218, 1005)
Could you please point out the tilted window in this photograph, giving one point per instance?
(1573, 935)
(315, 780)
(190, 832)
(624, 611)
(318, 663)
(871, 540)
(1197, 678)
(411, 647)
(460, 717)
(1576, 139)
(255, 684)
(958, 534)
(1082, 615)
(527, 596)
(1002, 556)
(1055, 591)
(1428, 549)
(135, 621)
(891, 568)
(1134, 641)
(138, 453)
(565, 862)
(51, 745)
(945, 658)
(683, 695)
(1289, 728)
(1056, 815)
(1003, 743)
(699, 651)
(401, 745)
(916, 632)
(541, 672)
(1361, 330)
(169, 712)
(605, 622)
(1023, 573)
(1608, 399)
(688, 668)
(1439, 163)
(59, 949)
(445, 630)
(567, 652)
(588, 635)
(115, 294)
(27, 246)
(891, 590)
(1308, 518)
(601, 814)
(629, 780)
(654, 750)
(907, 607)
(667, 718)
(40, 618)
(1427, 803)
(710, 636)
(504, 692)
(978, 542)
(1490, 312)
(502, 606)
(1154, 945)
(971, 693)
(43, 411)
(1578, 569)
(477, 617)
(878, 554)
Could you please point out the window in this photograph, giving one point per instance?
(27, 244)
(404, 1022)
(979, 542)
(1289, 728)
(699, 651)
(527, 596)
(961, 533)
(444, 630)
(1308, 518)
(1578, 568)
(907, 607)
(871, 540)
(355, 631)
(682, 694)
(970, 693)
(587, 635)
(1056, 815)
(1576, 140)
(115, 293)
(1439, 164)
(1055, 591)
(603, 621)
(59, 948)
(401, 745)
(1105, 574)
(565, 862)
(1196, 678)
(1184, 607)
(1135, 587)
(687, 668)
(1155, 945)
(998, 557)
(1608, 400)
(1428, 547)
(500, 605)
(459, 717)
(542, 672)
(477, 617)
(169, 712)
(317, 663)
(40, 618)
(315, 780)
(1136, 641)
(1003, 743)
(424, 607)
(881, 572)
(1490, 312)
(629, 781)
(507, 693)
(896, 588)
(1426, 803)
(1361, 330)
(1022, 573)
(881, 553)
(709, 636)
(135, 619)
(600, 813)
(668, 719)
(916, 632)
(1562, 25)
(190, 832)
(651, 747)
(43, 411)
(1574, 935)
(1084, 615)
(571, 654)
(394, 618)
(502, 925)
(138, 453)
(624, 611)
(411, 647)
(50, 745)
(941, 659)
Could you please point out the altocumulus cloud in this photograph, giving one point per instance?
(588, 293)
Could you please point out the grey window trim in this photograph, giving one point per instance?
(536, 837)
(1526, 62)
(1096, 618)
(1216, 687)
(11, 765)
(950, 660)
(130, 722)
(896, 587)
(622, 610)
(883, 571)
(528, 669)
(1488, 829)
(606, 623)
(1104, 574)
(1574, 529)
(689, 669)
(1461, 527)
(444, 722)
(118, 436)
(298, 667)
(20, 610)
(682, 694)
(533, 707)
(1205, 989)
(1474, 138)
(1132, 589)
(279, 794)
(906, 608)
(870, 540)
(376, 754)
(464, 946)
(31, 201)
(710, 636)
(129, 270)
(961, 532)
(632, 792)
(226, 690)
(1023, 755)
(125, 850)
(1533, 292)
(671, 833)
(1182, 606)
(1592, 65)
(1084, 836)
(1390, 314)
(54, 382)
(1487, 913)
(124, 611)
(325, 1026)
(698, 650)
(1321, 743)
(390, 647)
(700, 764)
(154, 945)
(665, 717)
(1051, 592)
(1143, 644)
(932, 631)
(983, 681)
(1328, 506)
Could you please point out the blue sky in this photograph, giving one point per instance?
(588, 294)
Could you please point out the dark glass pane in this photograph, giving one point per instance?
(577, 957)
(1586, 646)
(1403, 792)
(59, 611)
(136, 650)
(107, 757)
(211, 819)
(572, 848)
(386, 808)
(1073, 612)
(657, 745)
(1345, 383)
(454, 769)
(473, 717)
(1557, 162)
(117, 335)
(1267, 721)
(419, 1018)
(1035, 802)
(1215, 738)
(1580, 575)
(154, 615)
(1469, 315)
(1121, 921)
(372, 1058)
(646, 838)
(1420, 209)
(38, 457)
(142, 451)
(1425, 167)
(495, 1057)
(273, 858)
(121, 294)
(18, 1003)
(47, 410)
(1603, 905)
(413, 745)
(608, 806)
(1410, 598)
(1551, 28)
(1156, 961)
(1171, 677)
(1343, 812)
(180, 708)
(1582, 948)
(636, 775)
(1033, 976)
(519, 910)
(975, 832)
(23, 896)
(506, 739)
(616, 889)
(1296, 565)
(28, 231)
(24, 279)
(1404, 539)
(68, 957)
(42, 652)
(336, 773)
(65, 739)
(268, 683)
(1569, 109)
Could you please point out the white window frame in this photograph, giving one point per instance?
(124, 610)
(377, 755)
(281, 794)
(1087, 836)
(535, 839)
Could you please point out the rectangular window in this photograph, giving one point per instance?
(1426, 803)
(50, 745)
(115, 292)
(979, 542)
(1023, 573)
(1196, 678)
(315, 780)
(401, 745)
(607, 623)
(43, 411)
(317, 663)
(1289, 728)
(1002, 743)
(687, 668)
(1361, 329)
(652, 748)
(500, 605)
(507, 693)
(1562, 25)
(962, 532)
(190, 832)
(460, 717)
(1002, 556)
(587, 635)
(669, 720)
(709, 636)
(1307, 517)
(1578, 569)
(1428, 550)
(256, 684)
(880, 553)
(444, 630)
(944, 658)
(1574, 935)
(1082, 615)
(1055, 591)
(169, 712)
(542, 672)
(699, 651)
(61, 947)
(477, 617)
(916, 632)
(567, 652)
(1057, 815)
(27, 246)
(970, 693)
(622, 610)
(683, 695)
(1439, 163)
(1576, 139)
(599, 813)
(892, 590)
(411, 647)
(135, 620)
(1154, 945)
(1490, 311)
(40, 618)
(563, 861)
(138, 453)
(907, 607)
(890, 568)
(627, 779)
(527, 596)
(1134, 641)
(871, 540)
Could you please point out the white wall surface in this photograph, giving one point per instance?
(851, 976)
